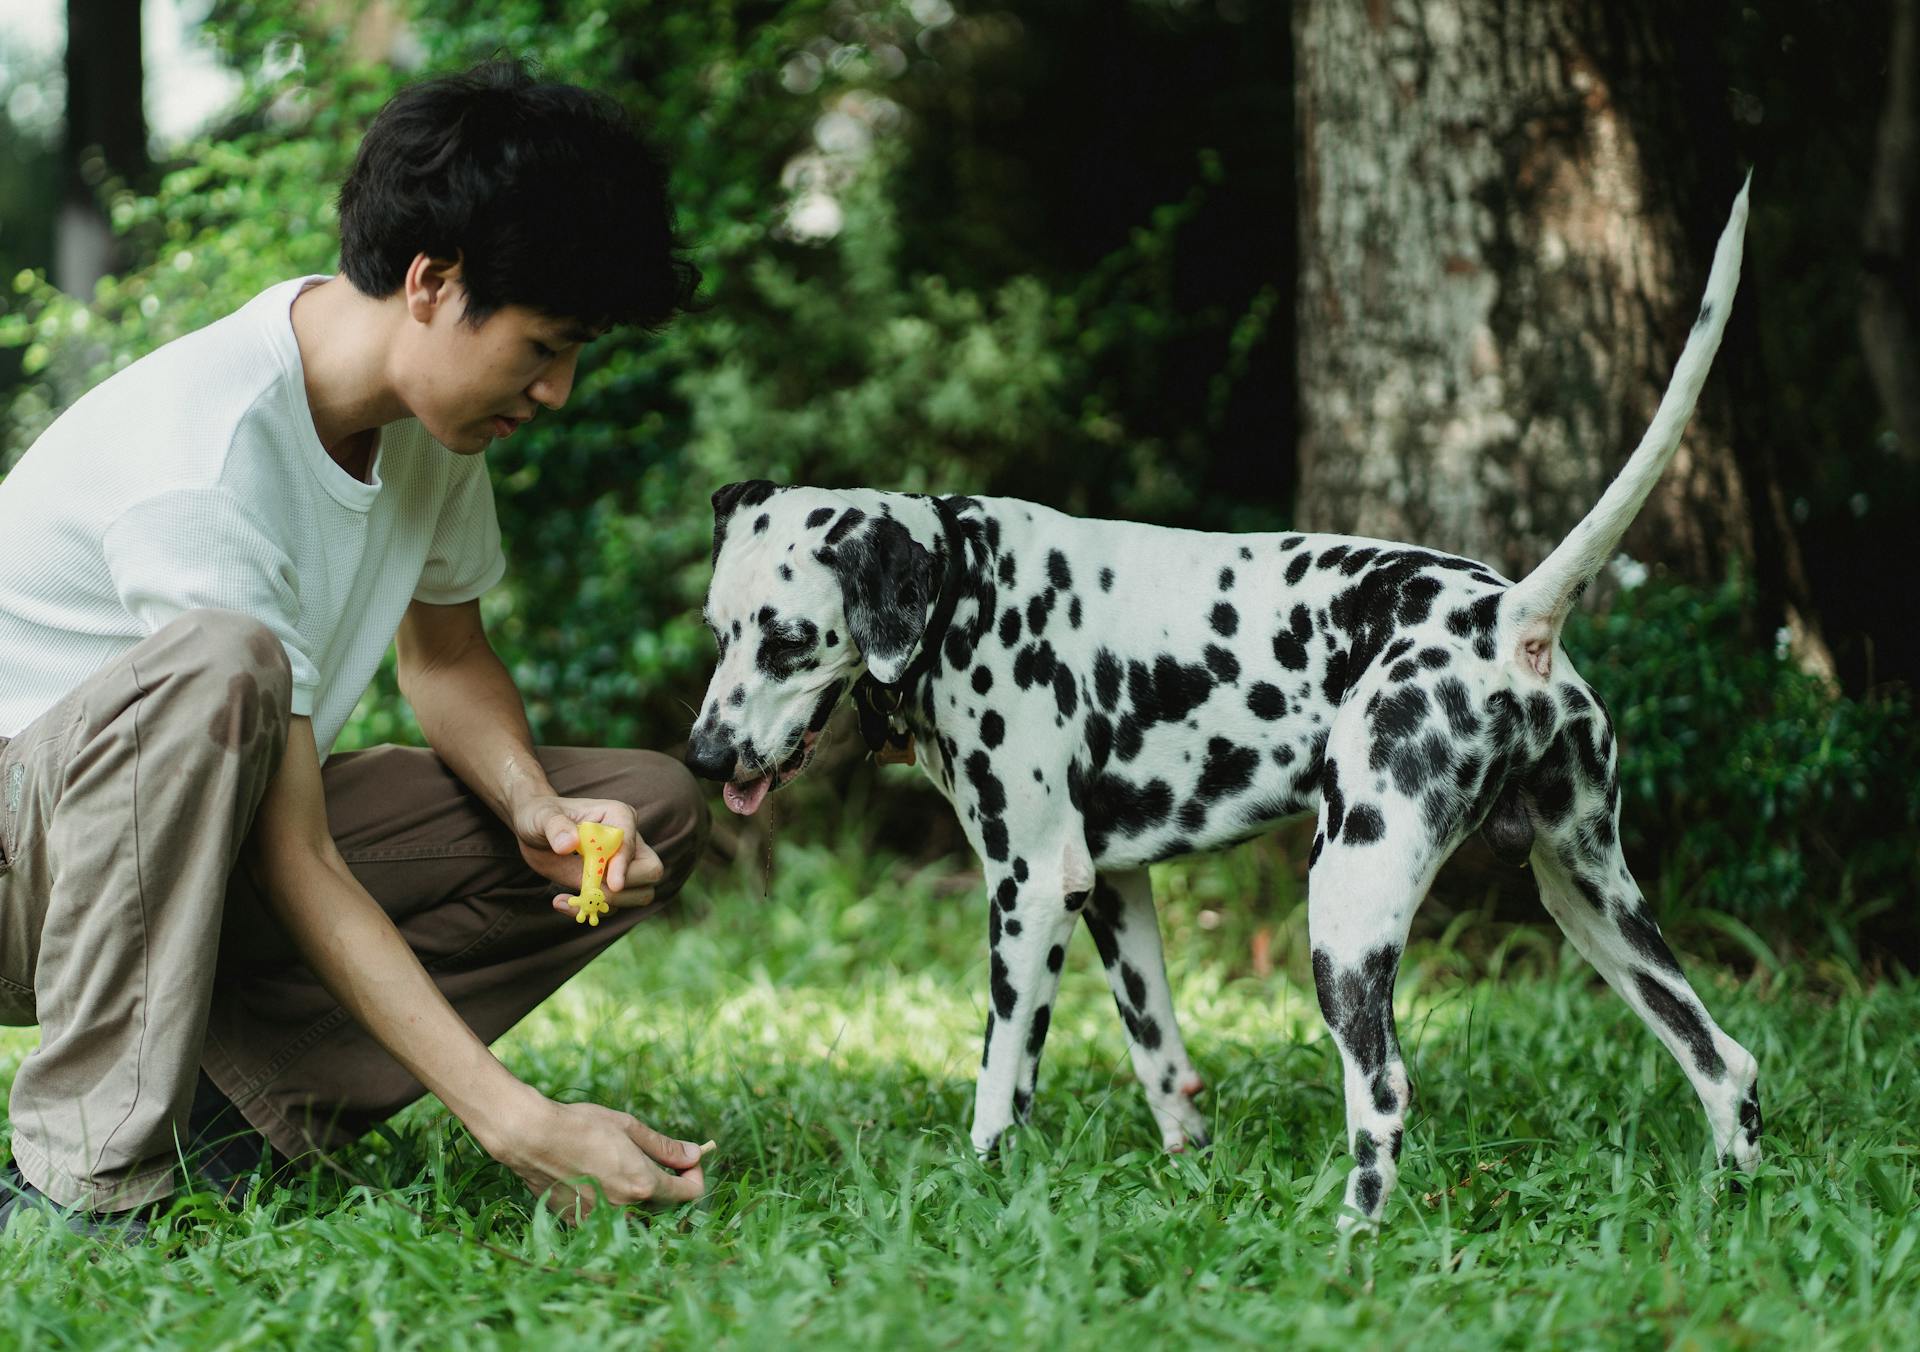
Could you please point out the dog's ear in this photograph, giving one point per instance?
(729, 499)
(886, 585)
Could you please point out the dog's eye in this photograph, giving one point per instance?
(785, 645)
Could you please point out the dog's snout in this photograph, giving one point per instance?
(710, 757)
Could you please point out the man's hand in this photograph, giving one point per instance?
(577, 1155)
(544, 825)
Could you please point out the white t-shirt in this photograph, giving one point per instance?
(194, 480)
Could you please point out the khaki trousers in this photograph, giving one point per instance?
(128, 937)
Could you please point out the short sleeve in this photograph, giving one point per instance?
(199, 549)
(465, 559)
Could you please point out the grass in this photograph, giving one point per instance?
(1557, 1190)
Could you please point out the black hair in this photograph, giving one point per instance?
(547, 193)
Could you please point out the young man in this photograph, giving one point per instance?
(201, 565)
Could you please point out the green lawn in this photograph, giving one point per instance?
(1557, 1187)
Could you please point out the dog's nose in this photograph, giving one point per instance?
(710, 757)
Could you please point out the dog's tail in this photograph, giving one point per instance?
(1533, 610)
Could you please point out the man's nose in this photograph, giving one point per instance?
(551, 388)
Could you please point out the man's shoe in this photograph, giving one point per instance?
(17, 1197)
(223, 1148)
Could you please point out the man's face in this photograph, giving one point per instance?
(470, 386)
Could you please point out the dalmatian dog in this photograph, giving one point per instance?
(1093, 696)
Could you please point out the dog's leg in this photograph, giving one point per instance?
(1373, 859)
(1587, 889)
(1029, 925)
(1126, 930)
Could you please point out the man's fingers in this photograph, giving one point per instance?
(646, 864)
(690, 1185)
(560, 832)
(674, 1153)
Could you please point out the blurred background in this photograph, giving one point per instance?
(1409, 269)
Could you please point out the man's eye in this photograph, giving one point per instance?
(544, 352)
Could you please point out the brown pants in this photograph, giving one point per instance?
(128, 936)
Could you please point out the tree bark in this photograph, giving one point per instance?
(1495, 281)
(1890, 290)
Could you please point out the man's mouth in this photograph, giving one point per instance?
(745, 796)
(503, 427)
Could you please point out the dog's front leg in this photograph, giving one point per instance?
(1029, 925)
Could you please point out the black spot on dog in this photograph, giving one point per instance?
(1169, 691)
(1298, 569)
(850, 518)
(1685, 1022)
(1330, 558)
(1006, 894)
(1364, 824)
(818, 517)
(993, 728)
(1223, 664)
(1037, 1035)
(987, 788)
(1106, 579)
(761, 522)
(1267, 702)
(1457, 705)
(1039, 607)
(1073, 613)
(982, 680)
(1357, 1003)
(1226, 579)
(1113, 805)
(1004, 996)
(1228, 769)
(1057, 571)
(1006, 570)
(1225, 620)
(1056, 958)
(1290, 644)
(1009, 627)
(1106, 678)
(993, 839)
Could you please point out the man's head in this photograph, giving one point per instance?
(516, 220)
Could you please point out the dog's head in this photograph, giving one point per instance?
(809, 588)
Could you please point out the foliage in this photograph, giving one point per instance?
(1764, 795)
(935, 338)
(1557, 1187)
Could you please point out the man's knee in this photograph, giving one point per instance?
(673, 814)
(239, 674)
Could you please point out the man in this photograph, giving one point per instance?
(201, 566)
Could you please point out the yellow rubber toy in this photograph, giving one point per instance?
(597, 845)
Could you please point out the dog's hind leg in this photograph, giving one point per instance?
(1373, 858)
(1126, 930)
(1585, 886)
(1032, 915)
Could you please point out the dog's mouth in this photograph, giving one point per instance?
(745, 796)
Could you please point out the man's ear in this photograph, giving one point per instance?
(729, 499)
(886, 585)
(432, 284)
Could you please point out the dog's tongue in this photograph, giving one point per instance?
(746, 798)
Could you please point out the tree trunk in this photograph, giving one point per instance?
(1495, 281)
(1890, 290)
(106, 134)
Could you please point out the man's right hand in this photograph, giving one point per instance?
(560, 1150)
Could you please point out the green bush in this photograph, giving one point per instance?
(1761, 792)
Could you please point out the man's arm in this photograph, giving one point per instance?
(365, 964)
(473, 719)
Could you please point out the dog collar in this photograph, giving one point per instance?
(876, 703)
